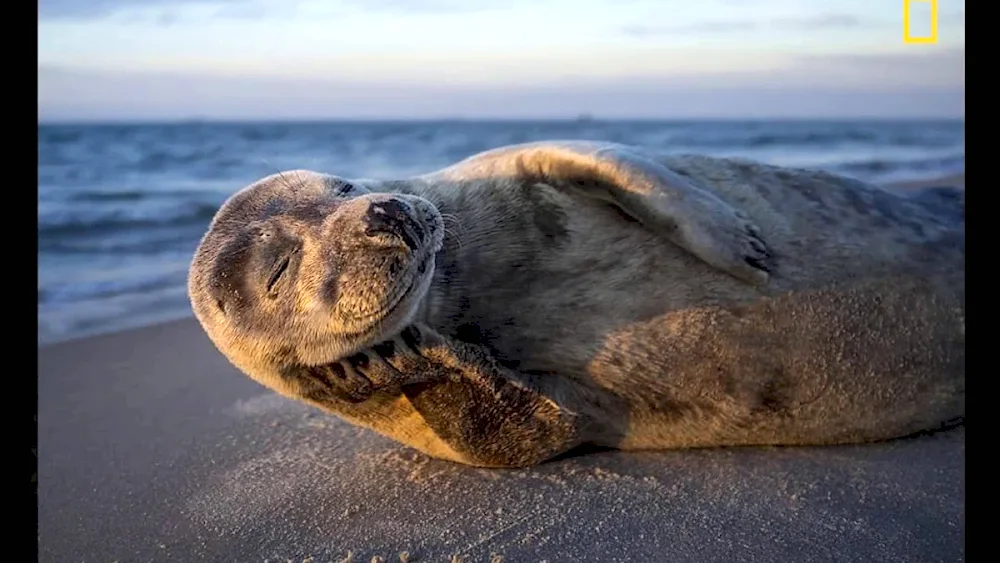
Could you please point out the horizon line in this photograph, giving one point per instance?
(584, 118)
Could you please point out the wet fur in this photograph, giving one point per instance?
(555, 318)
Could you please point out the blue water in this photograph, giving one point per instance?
(121, 207)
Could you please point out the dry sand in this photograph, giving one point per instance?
(153, 448)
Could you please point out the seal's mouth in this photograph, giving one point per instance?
(409, 285)
(402, 291)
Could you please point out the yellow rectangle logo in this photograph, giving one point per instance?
(933, 37)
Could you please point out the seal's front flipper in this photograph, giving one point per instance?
(660, 199)
(481, 410)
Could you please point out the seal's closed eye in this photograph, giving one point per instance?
(278, 272)
(275, 259)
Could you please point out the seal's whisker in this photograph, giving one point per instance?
(453, 220)
(451, 217)
(281, 177)
(231, 252)
(454, 236)
(286, 181)
(453, 228)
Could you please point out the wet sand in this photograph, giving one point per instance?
(153, 448)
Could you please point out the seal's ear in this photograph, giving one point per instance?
(688, 215)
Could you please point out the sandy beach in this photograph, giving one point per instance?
(152, 447)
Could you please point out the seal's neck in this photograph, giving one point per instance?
(470, 240)
(443, 301)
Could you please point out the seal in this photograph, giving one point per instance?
(539, 297)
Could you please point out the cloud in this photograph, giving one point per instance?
(84, 9)
(952, 17)
(168, 11)
(823, 21)
(162, 12)
(639, 30)
(925, 84)
(92, 9)
(420, 6)
(244, 10)
(931, 65)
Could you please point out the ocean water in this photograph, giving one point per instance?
(122, 207)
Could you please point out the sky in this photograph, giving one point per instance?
(430, 59)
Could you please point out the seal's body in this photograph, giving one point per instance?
(537, 297)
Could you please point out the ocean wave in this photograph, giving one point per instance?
(943, 164)
(91, 221)
(158, 160)
(69, 292)
(59, 321)
(167, 239)
(109, 196)
(162, 196)
(832, 138)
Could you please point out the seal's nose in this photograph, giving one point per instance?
(392, 217)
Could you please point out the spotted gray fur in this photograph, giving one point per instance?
(565, 293)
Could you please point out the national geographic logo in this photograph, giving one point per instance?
(907, 21)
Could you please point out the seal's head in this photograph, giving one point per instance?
(302, 269)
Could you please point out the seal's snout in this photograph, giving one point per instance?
(393, 217)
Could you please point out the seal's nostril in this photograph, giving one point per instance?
(392, 217)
